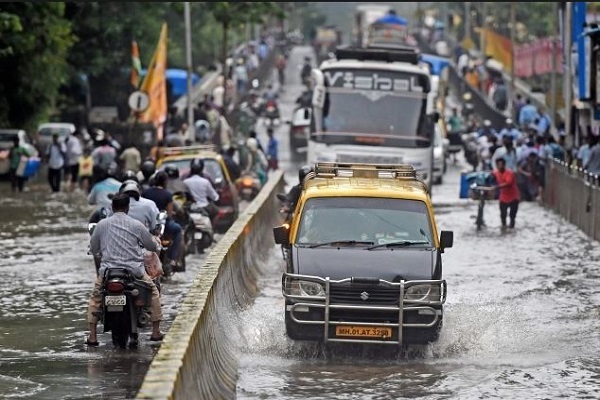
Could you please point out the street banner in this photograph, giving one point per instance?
(155, 85)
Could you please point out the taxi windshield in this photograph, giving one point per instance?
(376, 220)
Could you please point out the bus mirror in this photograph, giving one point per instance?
(306, 113)
(281, 234)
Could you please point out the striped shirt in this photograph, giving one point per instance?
(120, 241)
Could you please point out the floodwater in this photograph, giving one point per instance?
(521, 318)
(47, 277)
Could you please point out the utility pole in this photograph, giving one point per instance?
(188, 51)
(467, 37)
(513, 28)
(555, 35)
(568, 86)
(484, 25)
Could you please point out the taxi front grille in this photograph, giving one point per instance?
(363, 294)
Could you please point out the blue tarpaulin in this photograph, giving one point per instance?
(391, 19)
(437, 63)
(178, 79)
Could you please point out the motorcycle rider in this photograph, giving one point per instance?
(148, 168)
(202, 190)
(174, 183)
(293, 195)
(164, 201)
(140, 208)
(117, 241)
(101, 192)
(306, 71)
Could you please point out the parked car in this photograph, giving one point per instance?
(363, 257)
(6, 143)
(215, 168)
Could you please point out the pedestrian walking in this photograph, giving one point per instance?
(73, 152)
(509, 193)
(131, 159)
(272, 150)
(86, 170)
(16, 157)
(56, 154)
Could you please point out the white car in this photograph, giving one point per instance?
(440, 145)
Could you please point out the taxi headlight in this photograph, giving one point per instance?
(422, 293)
(304, 289)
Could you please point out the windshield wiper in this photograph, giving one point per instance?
(340, 242)
(402, 243)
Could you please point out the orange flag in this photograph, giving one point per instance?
(136, 65)
(155, 85)
(499, 48)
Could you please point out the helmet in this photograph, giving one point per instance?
(172, 171)
(509, 121)
(131, 188)
(196, 166)
(130, 175)
(303, 171)
(148, 169)
(252, 144)
(487, 123)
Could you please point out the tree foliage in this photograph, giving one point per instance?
(34, 43)
(72, 45)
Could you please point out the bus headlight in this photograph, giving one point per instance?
(304, 289)
(422, 293)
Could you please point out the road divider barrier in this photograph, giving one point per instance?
(195, 360)
(575, 195)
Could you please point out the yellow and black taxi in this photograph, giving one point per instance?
(215, 170)
(363, 257)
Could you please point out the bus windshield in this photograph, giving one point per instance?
(356, 113)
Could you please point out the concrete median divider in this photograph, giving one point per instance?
(195, 360)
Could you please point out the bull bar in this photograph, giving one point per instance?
(404, 304)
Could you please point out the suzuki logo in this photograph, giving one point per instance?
(364, 296)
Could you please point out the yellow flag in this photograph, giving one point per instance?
(155, 84)
(499, 48)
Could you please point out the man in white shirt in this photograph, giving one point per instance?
(74, 151)
(201, 189)
(56, 161)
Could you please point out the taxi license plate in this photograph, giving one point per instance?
(363, 331)
(197, 235)
(114, 300)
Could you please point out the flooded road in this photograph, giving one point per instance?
(521, 318)
(47, 277)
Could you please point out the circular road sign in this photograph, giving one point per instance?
(139, 101)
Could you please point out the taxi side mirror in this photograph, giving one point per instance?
(446, 239)
(282, 234)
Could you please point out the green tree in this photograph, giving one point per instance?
(34, 41)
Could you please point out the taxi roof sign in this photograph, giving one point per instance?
(178, 151)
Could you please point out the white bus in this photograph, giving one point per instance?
(372, 106)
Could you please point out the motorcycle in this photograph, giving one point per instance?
(125, 306)
(166, 242)
(248, 186)
(203, 230)
(471, 149)
(271, 114)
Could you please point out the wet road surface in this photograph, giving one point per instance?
(47, 277)
(521, 318)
